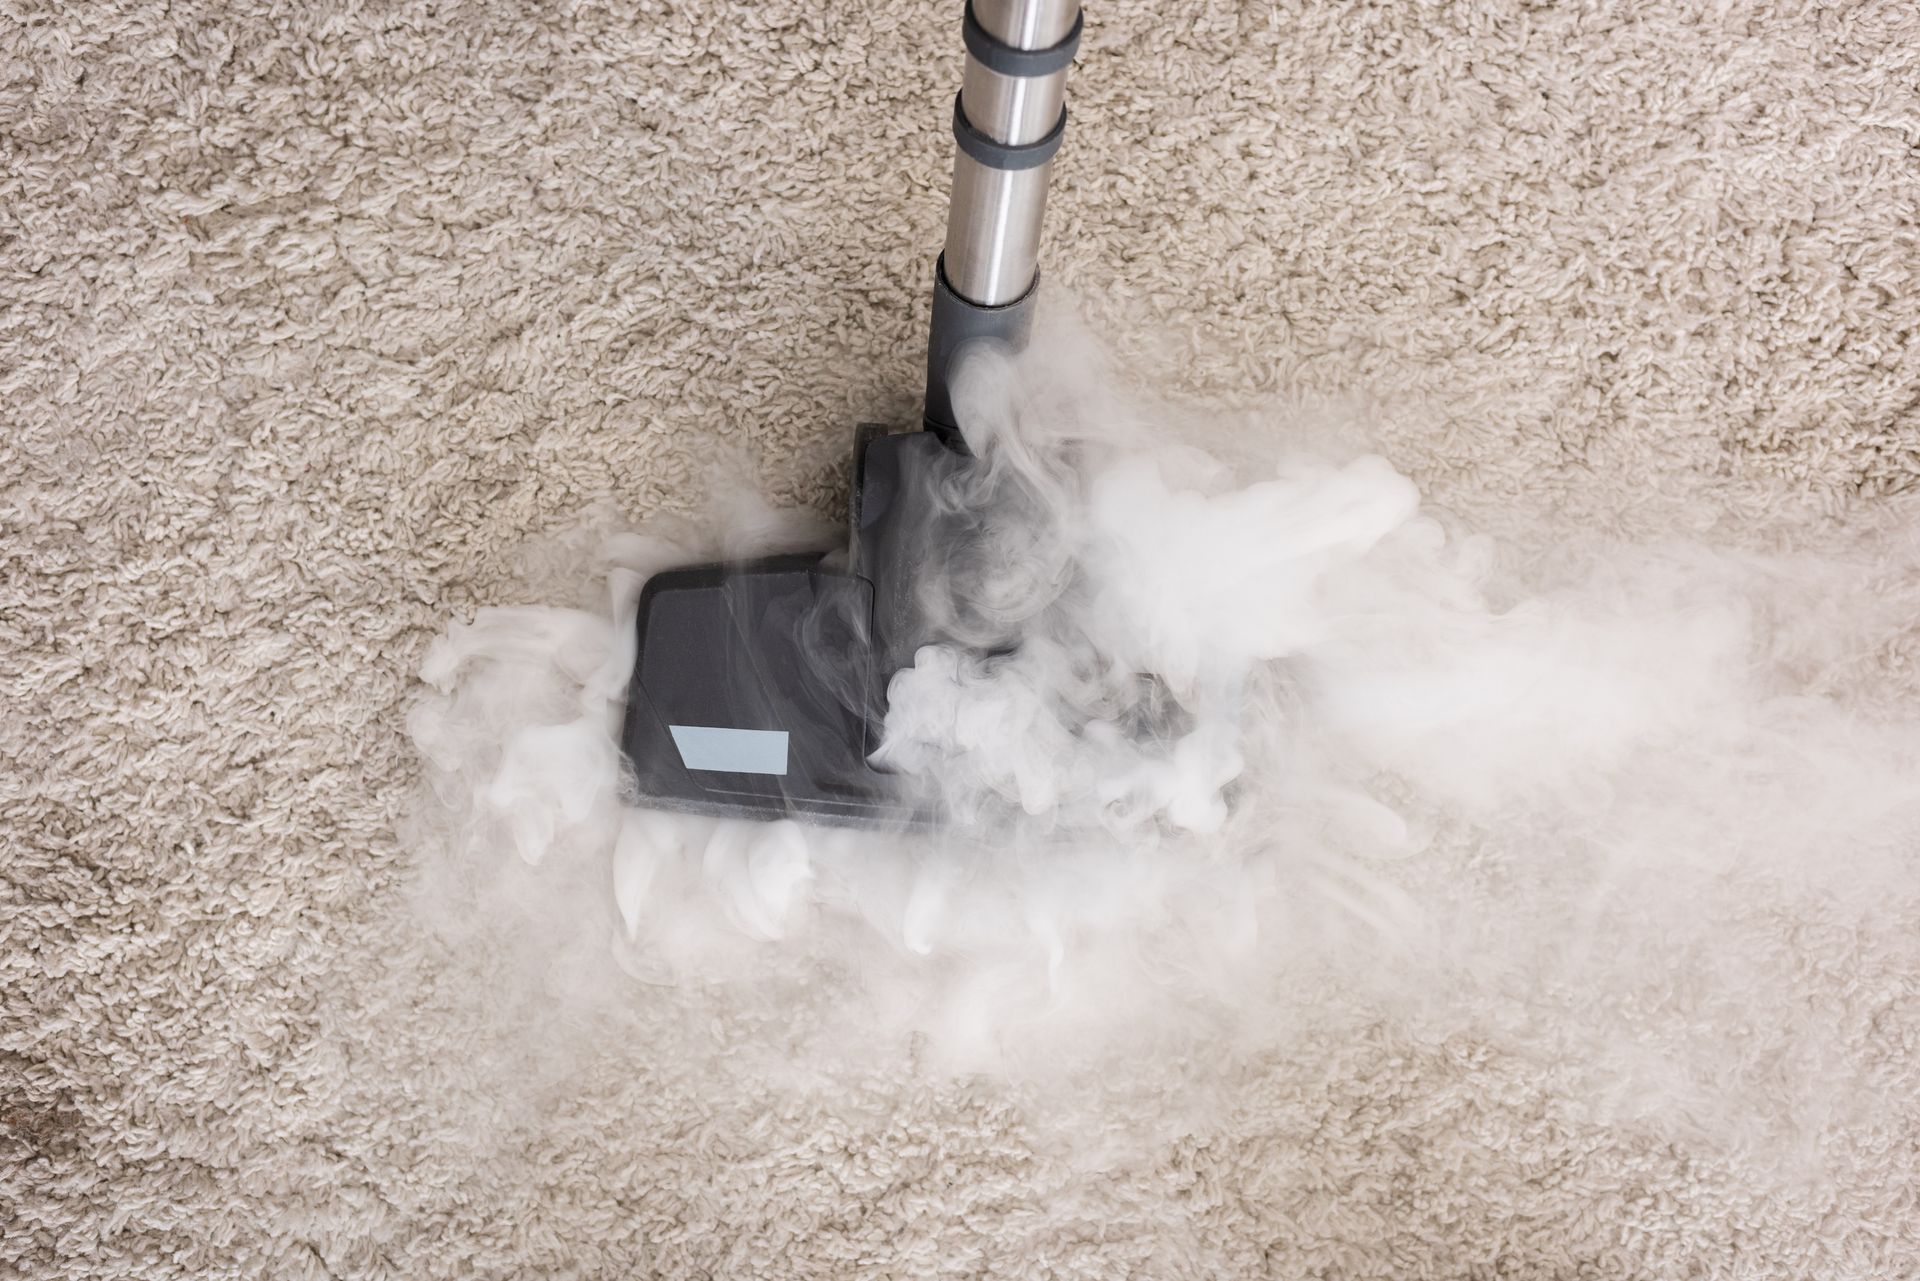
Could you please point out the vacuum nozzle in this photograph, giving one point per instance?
(759, 687)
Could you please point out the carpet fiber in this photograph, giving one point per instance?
(313, 315)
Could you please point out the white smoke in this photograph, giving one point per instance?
(1237, 741)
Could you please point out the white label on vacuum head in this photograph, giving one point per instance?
(732, 751)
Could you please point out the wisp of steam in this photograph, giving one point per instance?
(1235, 740)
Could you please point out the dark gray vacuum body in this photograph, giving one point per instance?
(759, 687)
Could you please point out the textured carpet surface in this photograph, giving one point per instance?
(311, 315)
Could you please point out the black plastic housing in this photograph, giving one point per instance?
(956, 324)
(751, 690)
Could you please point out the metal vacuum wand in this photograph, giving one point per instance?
(1008, 121)
(1013, 100)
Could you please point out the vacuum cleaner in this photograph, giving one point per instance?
(759, 686)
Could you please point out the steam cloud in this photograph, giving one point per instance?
(1237, 740)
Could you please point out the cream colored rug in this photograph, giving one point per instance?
(316, 319)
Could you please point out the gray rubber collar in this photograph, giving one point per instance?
(997, 55)
(998, 155)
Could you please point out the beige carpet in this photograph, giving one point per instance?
(312, 315)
